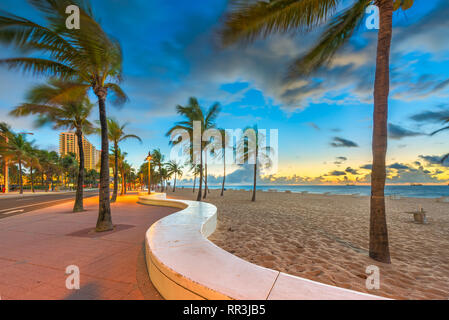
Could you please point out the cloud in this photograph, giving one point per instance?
(397, 132)
(351, 171)
(398, 166)
(340, 160)
(313, 125)
(367, 167)
(340, 143)
(434, 160)
(337, 173)
(431, 116)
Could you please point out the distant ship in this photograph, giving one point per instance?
(350, 184)
(416, 184)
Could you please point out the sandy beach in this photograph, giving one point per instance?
(325, 238)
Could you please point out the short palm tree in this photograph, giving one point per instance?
(224, 145)
(32, 162)
(195, 168)
(116, 134)
(157, 161)
(252, 19)
(5, 135)
(65, 111)
(253, 149)
(87, 54)
(206, 120)
(174, 169)
(17, 149)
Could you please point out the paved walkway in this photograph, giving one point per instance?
(36, 247)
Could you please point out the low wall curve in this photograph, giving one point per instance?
(183, 264)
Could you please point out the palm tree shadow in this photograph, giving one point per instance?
(85, 292)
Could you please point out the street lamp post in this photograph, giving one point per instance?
(149, 172)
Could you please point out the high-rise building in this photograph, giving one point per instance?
(68, 142)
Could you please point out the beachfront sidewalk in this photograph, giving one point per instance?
(27, 193)
(36, 248)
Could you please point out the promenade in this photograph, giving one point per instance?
(36, 248)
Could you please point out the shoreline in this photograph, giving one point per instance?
(325, 239)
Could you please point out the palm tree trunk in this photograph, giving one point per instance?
(20, 176)
(378, 236)
(174, 184)
(122, 190)
(224, 174)
(104, 221)
(114, 192)
(254, 182)
(78, 206)
(205, 177)
(6, 174)
(31, 179)
(200, 187)
(194, 182)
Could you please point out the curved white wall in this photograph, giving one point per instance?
(184, 264)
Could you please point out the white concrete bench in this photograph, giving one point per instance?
(184, 264)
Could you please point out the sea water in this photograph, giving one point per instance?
(425, 191)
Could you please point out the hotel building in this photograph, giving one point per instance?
(68, 142)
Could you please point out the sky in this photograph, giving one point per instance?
(324, 122)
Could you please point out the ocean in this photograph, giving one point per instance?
(403, 191)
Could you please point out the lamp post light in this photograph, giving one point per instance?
(148, 158)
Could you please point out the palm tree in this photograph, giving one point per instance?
(69, 165)
(175, 169)
(116, 134)
(87, 54)
(196, 171)
(192, 113)
(32, 161)
(224, 145)
(253, 149)
(157, 160)
(444, 120)
(252, 19)
(17, 149)
(5, 135)
(71, 111)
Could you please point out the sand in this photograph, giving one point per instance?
(325, 238)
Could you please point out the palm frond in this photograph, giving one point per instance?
(338, 32)
(249, 20)
(39, 67)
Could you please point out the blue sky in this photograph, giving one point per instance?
(170, 54)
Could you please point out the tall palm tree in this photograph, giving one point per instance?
(87, 54)
(191, 113)
(252, 19)
(175, 169)
(444, 120)
(116, 134)
(253, 149)
(51, 103)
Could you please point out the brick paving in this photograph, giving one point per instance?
(36, 247)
